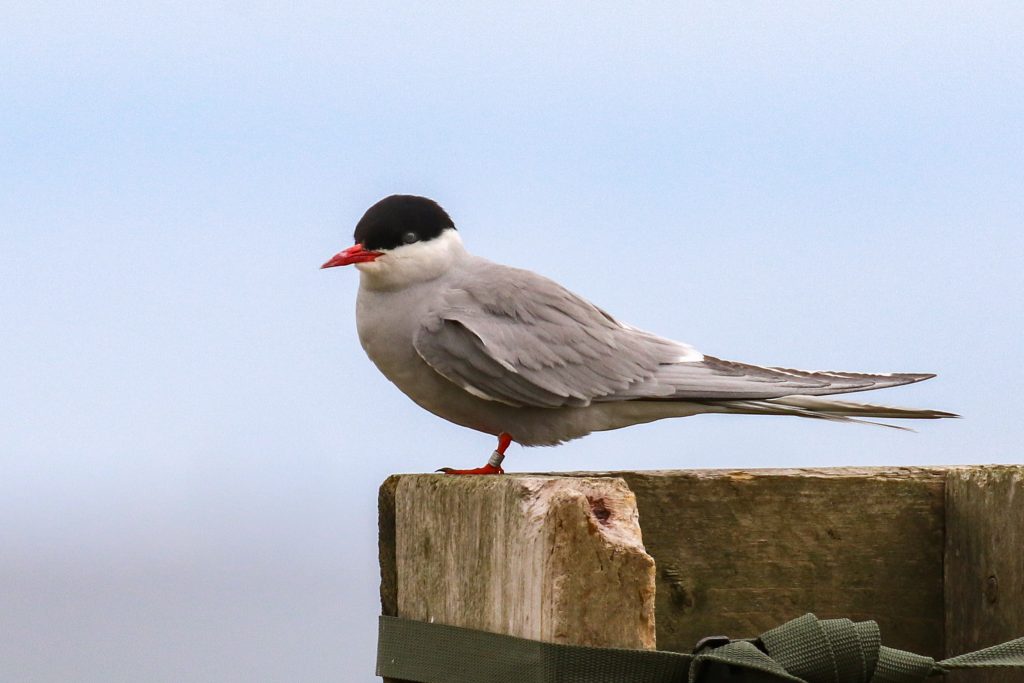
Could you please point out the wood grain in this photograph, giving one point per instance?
(739, 552)
(550, 558)
(386, 546)
(935, 555)
(984, 563)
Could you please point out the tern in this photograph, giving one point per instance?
(510, 353)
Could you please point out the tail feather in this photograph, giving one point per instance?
(826, 405)
(828, 409)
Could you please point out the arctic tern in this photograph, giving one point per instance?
(513, 354)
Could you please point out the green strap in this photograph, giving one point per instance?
(804, 650)
(435, 653)
(1006, 654)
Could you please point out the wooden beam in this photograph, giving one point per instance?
(984, 563)
(934, 555)
(741, 551)
(557, 559)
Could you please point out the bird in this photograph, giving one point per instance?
(513, 354)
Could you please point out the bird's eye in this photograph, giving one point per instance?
(410, 237)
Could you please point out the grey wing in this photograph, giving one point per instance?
(512, 336)
(714, 379)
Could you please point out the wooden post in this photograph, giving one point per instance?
(934, 555)
(550, 558)
(984, 563)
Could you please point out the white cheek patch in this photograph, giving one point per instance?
(368, 267)
(429, 250)
(412, 263)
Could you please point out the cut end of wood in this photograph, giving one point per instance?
(513, 554)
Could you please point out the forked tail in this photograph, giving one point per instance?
(826, 409)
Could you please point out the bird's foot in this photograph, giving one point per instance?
(493, 465)
(486, 469)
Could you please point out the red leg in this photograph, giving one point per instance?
(493, 465)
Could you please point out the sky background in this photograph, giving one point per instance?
(191, 437)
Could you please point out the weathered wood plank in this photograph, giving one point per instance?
(984, 563)
(739, 552)
(551, 558)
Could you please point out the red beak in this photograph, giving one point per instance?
(354, 254)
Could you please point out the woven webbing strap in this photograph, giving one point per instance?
(804, 650)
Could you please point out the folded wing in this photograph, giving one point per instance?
(512, 336)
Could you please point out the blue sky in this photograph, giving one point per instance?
(192, 438)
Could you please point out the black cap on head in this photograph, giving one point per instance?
(401, 219)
